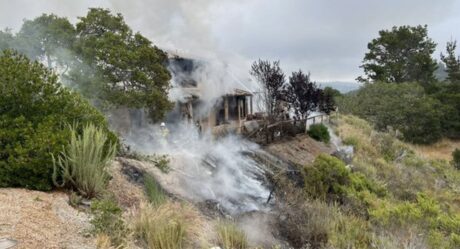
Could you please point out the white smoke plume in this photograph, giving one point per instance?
(203, 168)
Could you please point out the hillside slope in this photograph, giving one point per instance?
(42, 220)
(421, 204)
(300, 150)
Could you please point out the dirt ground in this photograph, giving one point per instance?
(299, 150)
(42, 220)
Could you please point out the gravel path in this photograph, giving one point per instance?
(42, 220)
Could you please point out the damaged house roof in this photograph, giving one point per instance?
(183, 69)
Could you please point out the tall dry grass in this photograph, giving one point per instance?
(441, 150)
(167, 226)
(230, 236)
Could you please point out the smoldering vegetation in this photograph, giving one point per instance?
(222, 170)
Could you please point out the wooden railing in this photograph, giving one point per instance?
(270, 132)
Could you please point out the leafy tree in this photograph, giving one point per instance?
(34, 112)
(271, 80)
(7, 39)
(302, 94)
(327, 99)
(403, 106)
(47, 38)
(449, 95)
(127, 69)
(402, 54)
(452, 62)
(332, 91)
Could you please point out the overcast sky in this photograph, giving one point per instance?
(326, 37)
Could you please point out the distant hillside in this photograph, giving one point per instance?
(342, 86)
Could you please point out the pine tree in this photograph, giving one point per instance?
(452, 62)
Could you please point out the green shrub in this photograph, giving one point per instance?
(329, 179)
(456, 158)
(231, 237)
(34, 110)
(425, 212)
(153, 191)
(161, 162)
(454, 241)
(82, 164)
(360, 182)
(107, 220)
(319, 132)
(353, 141)
(326, 178)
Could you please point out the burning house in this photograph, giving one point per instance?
(223, 114)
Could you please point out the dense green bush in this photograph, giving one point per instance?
(82, 164)
(329, 179)
(456, 158)
(34, 112)
(326, 178)
(319, 132)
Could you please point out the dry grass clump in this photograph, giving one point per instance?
(302, 222)
(441, 150)
(230, 236)
(103, 241)
(167, 226)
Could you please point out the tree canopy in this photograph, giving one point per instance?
(271, 80)
(402, 54)
(47, 38)
(101, 57)
(131, 71)
(302, 94)
(452, 62)
(35, 111)
(402, 106)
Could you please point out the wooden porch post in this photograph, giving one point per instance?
(238, 101)
(226, 109)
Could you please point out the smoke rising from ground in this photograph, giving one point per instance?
(204, 169)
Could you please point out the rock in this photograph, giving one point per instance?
(344, 153)
(86, 202)
(7, 243)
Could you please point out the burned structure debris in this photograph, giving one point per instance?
(226, 113)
